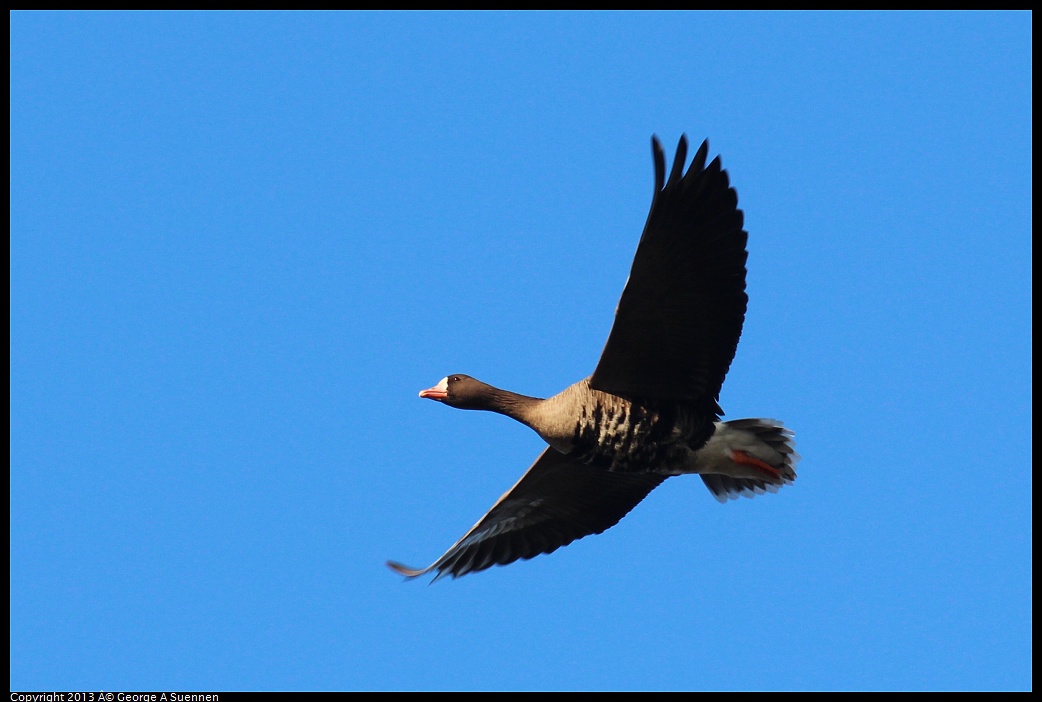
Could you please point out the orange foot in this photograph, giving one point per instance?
(745, 459)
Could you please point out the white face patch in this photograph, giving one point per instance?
(438, 392)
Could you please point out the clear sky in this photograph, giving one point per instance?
(242, 243)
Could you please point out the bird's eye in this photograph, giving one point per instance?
(454, 378)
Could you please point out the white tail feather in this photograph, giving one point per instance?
(766, 441)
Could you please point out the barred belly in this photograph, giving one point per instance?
(634, 436)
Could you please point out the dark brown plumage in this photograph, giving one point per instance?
(650, 408)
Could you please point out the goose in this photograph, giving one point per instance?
(650, 410)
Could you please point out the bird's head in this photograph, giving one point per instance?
(460, 391)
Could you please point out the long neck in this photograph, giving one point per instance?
(519, 407)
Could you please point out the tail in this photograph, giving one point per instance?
(747, 457)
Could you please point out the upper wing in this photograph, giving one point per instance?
(555, 502)
(680, 316)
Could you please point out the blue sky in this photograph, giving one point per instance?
(241, 243)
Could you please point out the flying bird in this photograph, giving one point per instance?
(650, 410)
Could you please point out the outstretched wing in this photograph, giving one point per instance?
(681, 313)
(555, 502)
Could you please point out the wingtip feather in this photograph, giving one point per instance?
(698, 163)
(660, 163)
(678, 160)
(404, 570)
